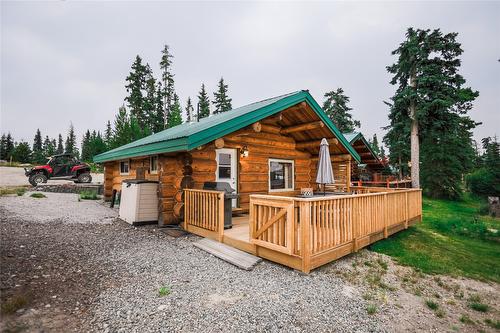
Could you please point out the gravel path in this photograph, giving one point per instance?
(13, 176)
(77, 269)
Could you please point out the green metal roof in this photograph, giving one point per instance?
(188, 136)
(355, 136)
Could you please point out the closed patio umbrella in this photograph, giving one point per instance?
(325, 171)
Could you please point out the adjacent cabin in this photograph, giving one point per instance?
(268, 153)
(370, 166)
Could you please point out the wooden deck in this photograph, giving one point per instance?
(305, 233)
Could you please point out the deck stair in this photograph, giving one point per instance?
(227, 253)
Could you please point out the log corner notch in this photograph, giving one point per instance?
(303, 127)
(184, 182)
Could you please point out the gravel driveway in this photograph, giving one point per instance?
(76, 268)
(11, 176)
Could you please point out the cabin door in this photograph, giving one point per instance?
(227, 169)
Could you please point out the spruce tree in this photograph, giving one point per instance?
(38, 148)
(175, 117)
(48, 147)
(203, 103)
(375, 145)
(167, 78)
(136, 83)
(149, 103)
(121, 132)
(96, 145)
(158, 121)
(3, 146)
(222, 102)
(60, 147)
(86, 154)
(108, 134)
(70, 144)
(189, 111)
(9, 146)
(428, 112)
(336, 108)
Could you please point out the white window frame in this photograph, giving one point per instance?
(151, 171)
(125, 173)
(269, 175)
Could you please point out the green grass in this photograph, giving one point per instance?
(164, 291)
(37, 195)
(431, 304)
(493, 323)
(453, 239)
(481, 307)
(466, 319)
(89, 195)
(12, 190)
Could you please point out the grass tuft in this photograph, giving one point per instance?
(89, 195)
(37, 195)
(481, 307)
(431, 304)
(371, 309)
(13, 304)
(493, 323)
(466, 319)
(164, 291)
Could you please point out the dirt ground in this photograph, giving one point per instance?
(71, 266)
(13, 176)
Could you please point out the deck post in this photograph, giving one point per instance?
(385, 215)
(305, 225)
(406, 210)
(220, 218)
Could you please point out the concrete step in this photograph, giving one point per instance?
(227, 253)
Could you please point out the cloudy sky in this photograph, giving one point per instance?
(66, 61)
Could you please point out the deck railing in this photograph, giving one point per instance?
(320, 229)
(204, 213)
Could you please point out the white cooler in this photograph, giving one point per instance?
(139, 201)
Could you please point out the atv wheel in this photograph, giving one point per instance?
(84, 178)
(37, 179)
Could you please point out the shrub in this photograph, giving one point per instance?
(482, 182)
(466, 319)
(37, 195)
(479, 306)
(493, 323)
(89, 195)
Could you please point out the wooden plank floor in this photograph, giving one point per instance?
(240, 230)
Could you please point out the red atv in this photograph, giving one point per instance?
(63, 166)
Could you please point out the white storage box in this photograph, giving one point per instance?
(139, 201)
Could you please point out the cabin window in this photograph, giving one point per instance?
(153, 164)
(124, 167)
(281, 175)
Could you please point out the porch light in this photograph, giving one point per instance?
(244, 151)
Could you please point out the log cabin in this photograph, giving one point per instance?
(267, 152)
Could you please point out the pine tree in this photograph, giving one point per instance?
(175, 117)
(96, 145)
(428, 112)
(136, 83)
(222, 102)
(22, 152)
(86, 153)
(203, 103)
(375, 145)
(336, 108)
(70, 144)
(189, 111)
(108, 134)
(167, 78)
(60, 147)
(38, 148)
(9, 146)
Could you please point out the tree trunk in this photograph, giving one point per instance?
(414, 143)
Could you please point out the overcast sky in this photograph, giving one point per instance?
(67, 61)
